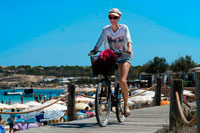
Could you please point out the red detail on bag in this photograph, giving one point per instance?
(105, 63)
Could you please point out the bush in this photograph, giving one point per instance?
(187, 84)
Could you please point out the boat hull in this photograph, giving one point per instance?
(13, 93)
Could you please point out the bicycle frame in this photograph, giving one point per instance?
(105, 99)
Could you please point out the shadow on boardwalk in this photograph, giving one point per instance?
(146, 120)
(75, 125)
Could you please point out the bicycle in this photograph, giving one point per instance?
(105, 98)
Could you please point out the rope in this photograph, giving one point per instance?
(84, 95)
(187, 104)
(193, 97)
(36, 109)
(128, 97)
(166, 87)
(186, 122)
(183, 94)
(143, 91)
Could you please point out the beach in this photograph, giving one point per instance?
(17, 98)
(51, 95)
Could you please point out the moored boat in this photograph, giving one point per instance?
(28, 93)
(13, 93)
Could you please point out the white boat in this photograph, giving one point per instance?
(13, 93)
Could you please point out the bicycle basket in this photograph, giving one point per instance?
(102, 66)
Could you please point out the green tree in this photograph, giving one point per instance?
(134, 72)
(140, 69)
(157, 65)
(11, 67)
(25, 67)
(183, 64)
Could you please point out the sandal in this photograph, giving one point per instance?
(126, 111)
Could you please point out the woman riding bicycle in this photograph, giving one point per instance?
(117, 38)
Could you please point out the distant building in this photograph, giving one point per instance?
(69, 79)
(47, 79)
(63, 80)
(169, 75)
(195, 69)
(149, 77)
(2, 67)
(39, 67)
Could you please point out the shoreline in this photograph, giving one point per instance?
(37, 88)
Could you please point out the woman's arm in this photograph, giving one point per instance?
(129, 50)
(100, 41)
(129, 41)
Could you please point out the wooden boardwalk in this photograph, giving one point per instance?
(145, 120)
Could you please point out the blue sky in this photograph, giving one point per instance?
(62, 32)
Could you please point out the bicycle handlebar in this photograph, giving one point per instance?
(118, 53)
(93, 53)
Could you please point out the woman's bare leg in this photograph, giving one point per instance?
(123, 69)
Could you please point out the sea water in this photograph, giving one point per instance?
(17, 98)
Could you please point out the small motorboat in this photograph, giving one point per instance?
(14, 92)
(28, 93)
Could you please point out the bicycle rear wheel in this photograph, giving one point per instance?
(103, 103)
(119, 105)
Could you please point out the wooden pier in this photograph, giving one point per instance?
(144, 120)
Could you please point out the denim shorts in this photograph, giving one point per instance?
(124, 58)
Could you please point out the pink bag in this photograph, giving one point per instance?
(105, 63)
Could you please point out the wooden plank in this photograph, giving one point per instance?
(146, 120)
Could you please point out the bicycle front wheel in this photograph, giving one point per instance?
(119, 105)
(103, 103)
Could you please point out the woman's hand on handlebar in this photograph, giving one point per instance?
(129, 51)
(94, 51)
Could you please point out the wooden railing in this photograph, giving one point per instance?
(34, 110)
(70, 96)
(176, 100)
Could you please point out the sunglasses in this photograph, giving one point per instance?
(115, 17)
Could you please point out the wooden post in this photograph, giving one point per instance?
(71, 103)
(197, 79)
(158, 93)
(174, 116)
